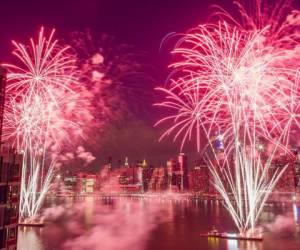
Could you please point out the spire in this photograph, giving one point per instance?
(109, 163)
(144, 164)
(126, 162)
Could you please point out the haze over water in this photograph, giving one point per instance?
(145, 224)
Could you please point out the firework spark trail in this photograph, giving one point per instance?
(42, 65)
(280, 18)
(40, 94)
(245, 186)
(224, 73)
(234, 81)
(29, 123)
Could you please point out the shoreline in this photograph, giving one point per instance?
(173, 196)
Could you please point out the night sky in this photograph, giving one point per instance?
(142, 23)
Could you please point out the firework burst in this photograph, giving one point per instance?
(42, 64)
(234, 81)
(227, 80)
(40, 97)
(245, 184)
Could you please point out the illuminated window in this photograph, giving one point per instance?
(12, 233)
(15, 190)
(15, 169)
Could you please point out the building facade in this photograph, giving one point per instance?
(86, 183)
(158, 180)
(199, 178)
(177, 174)
(297, 173)
(183, 171)
(10, 186)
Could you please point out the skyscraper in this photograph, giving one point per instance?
(177, 173)
(2, 96)
(199, 178)
(10, 183)
(297, 173)
(171, 174)
(183, 169)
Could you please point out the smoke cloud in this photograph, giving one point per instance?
(120, 225)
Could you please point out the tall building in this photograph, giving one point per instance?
(199, 178)
(171, 175)
(140, 178)
(10, 183)
(10, 186)
(130, 178)
(177, 173)
(69, 180)
(86, 183)
(297, 173)
(2, 95)
(109, 162)
(147, 175)
(183, 171)
(158, 181)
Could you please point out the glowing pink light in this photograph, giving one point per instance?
(240, 81)
(40, 93)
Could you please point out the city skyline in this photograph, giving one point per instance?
(150, 124)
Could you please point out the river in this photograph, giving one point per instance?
(154, 224)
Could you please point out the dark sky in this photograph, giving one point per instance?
(142, 23)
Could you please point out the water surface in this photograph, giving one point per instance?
(150, 224)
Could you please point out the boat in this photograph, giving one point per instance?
(231, 236)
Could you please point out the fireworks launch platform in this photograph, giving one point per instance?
(231, 236)
(31, 224)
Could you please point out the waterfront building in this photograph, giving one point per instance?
(10, 183)
(86, 183)
(70, 182)
(297, 173)
(126, 164)
(199, 178)
(109, 179)
(131, 179)
(158, 180)
(172, 182)
(10, 186)
(177, 173)
(140, 178)
(183, 171)
(2, 96)
(147, 175)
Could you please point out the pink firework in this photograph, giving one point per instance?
(35, 118)
(46, 77)
(41, 65)
(279, 17)
(228, 81)
(241, 84)
(41, 113)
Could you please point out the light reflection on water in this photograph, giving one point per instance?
(30, 239)
(232, 244)
(145, 224)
